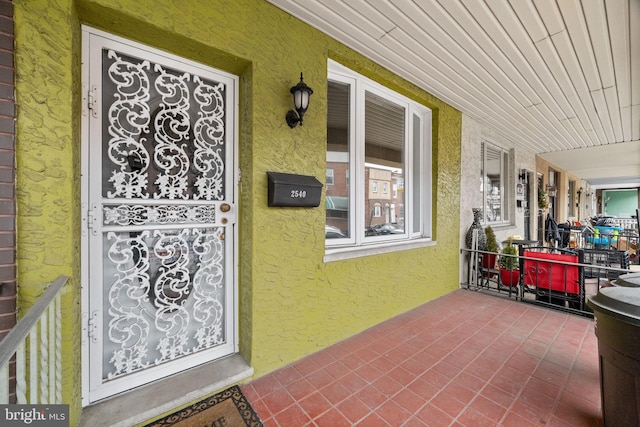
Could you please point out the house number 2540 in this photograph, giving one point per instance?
(298, 194)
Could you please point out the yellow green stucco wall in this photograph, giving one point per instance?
(47, 173)
(291, 302)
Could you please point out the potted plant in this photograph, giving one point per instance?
(489, 260)
(542, 199)
(509, 265)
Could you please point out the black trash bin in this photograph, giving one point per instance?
(617, 313)
(630, 280)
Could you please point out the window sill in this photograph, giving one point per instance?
(501, 226)
(154, 399)
(339, 254)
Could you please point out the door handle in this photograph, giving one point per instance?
(225, 207)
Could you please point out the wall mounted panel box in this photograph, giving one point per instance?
(292, 190)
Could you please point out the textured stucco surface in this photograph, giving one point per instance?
(470, 196)
(48, 185)
(291, 302)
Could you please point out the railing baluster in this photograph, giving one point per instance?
(33, 364)
(4, 384)
(44, 361)
(52, 354)
(21, 374)
(57, 303)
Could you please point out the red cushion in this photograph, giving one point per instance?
(547, 275)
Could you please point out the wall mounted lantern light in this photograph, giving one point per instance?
(301, 93)
(522, 176)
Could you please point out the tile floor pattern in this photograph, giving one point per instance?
(465, 359)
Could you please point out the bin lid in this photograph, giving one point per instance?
(630, 280)
(620, 302)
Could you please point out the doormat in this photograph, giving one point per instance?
(227, 408)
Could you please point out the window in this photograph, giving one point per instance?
(329, 176)
(571, 200)
(383, 142)
(494, 184)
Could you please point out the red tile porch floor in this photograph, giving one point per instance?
(465, 359)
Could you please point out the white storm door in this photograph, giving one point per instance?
(159, 183)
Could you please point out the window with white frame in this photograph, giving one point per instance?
(380, 137)
(494, 184)
(329, 176)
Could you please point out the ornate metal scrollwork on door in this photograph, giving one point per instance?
(163, 165)
(166, 132)
(168, 290)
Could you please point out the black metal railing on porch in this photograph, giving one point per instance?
(562, 279)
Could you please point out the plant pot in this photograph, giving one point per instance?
(509, 277)
(488, 263)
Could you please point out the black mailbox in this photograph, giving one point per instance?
(287, 189)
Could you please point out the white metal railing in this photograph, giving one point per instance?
(626, 223)
(36, 343)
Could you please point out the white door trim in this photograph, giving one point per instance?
(91, 324)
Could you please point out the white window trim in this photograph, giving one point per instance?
(339, 254)
(505, 186)
(360, 245)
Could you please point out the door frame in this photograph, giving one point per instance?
(233, 176)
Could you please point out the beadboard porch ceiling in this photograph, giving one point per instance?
(560, 78)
